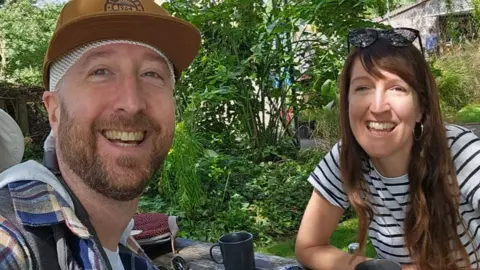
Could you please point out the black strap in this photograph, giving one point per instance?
(40, 240)
(50, 161)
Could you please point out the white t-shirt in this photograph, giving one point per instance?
(114, 258)
(391, 199)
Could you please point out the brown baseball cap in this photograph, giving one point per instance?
(84, 21)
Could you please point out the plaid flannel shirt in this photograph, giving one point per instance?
(37, 204)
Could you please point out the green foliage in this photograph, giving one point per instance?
(26, 29)
(243, 195)
(179, 179)
(284, 249)
(457, 79)
(476, 10)
(327, 127)
(346, 233)
(155, 204)
(378, 8)
(454, 89)
(469, 114)
(32, 151)
(254, 58)
(258, 60)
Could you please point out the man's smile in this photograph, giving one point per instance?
(124, 138)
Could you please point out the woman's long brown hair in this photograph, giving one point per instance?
(432, 217)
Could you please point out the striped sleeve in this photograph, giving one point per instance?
(13, 252)
(465, 151)
(326, 178)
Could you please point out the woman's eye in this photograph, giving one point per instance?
(361, 88)
(399, 89)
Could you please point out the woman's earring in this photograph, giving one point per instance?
(417, 138)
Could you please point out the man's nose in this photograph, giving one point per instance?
(130, 97)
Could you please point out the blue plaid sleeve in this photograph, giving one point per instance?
(14, 254)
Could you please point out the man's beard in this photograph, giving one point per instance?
(78, 148)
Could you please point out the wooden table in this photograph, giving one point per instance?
(198, 256)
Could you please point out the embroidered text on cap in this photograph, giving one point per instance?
(123, 5)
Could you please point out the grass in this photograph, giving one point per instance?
(457, 77)
(469, 114)
(284, 249)
(345, 234)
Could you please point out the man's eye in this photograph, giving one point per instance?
(100, 72)
(151, 74)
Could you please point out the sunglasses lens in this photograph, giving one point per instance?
(402, 37)
(362, 38)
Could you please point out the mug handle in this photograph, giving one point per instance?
(211, 253)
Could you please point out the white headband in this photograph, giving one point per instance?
(59, 68)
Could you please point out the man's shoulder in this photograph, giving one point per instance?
(14, 252)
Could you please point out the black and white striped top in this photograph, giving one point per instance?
(390, 195)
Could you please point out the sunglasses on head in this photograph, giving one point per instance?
(398, 37)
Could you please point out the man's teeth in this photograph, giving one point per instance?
(124, 136)
(380, 125)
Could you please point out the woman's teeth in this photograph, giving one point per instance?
(380, 126)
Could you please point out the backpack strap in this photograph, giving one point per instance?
(40, 240)
(47, 245)
(51, 163)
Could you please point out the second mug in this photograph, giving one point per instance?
(237, 251)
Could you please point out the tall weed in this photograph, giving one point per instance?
(457, 78)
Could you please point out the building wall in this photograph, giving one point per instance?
(424, 16)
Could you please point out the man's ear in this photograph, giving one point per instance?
(51, 100)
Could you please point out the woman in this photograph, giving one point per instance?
(412, 180)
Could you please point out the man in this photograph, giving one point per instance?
(432, 42)
(111, 68)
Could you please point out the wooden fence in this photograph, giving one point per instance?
(16, 101)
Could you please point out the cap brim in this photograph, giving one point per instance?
(12, 144)
(178, 39)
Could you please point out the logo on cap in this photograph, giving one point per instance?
(123, 5)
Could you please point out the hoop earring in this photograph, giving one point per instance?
(421, 132)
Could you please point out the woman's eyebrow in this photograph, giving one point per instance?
(359, 78)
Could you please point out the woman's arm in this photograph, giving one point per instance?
(312, 246)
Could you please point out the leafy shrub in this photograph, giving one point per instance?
(179, 179)
(469, 114)
(32, 151)
(454, 86)
(327, 130)
(267, 199)
(457, 79)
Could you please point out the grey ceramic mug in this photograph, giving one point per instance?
(237, 251)
(378, 264)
